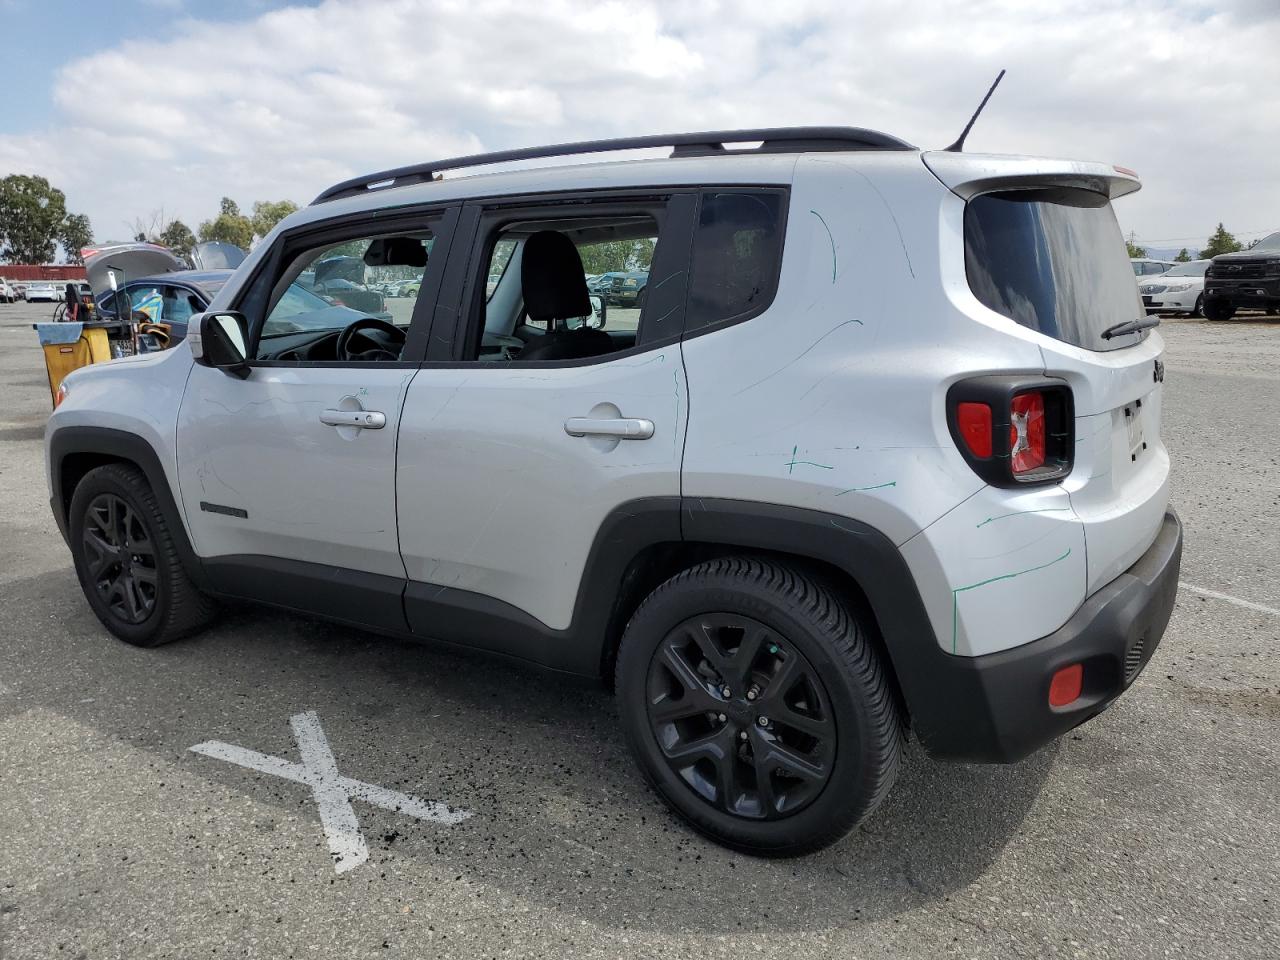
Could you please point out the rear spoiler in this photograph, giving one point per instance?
(969, 174)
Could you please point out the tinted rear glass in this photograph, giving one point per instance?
(1054, 261)
(736, 254)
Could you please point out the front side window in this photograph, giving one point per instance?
(346, 301)
(1052, 260)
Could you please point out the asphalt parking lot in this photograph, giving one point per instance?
(1152, 831)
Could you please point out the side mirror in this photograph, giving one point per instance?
(598, 310)
(220, 342)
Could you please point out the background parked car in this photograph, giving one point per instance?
(1179, 289)
(169, 298)
(1144, 267)
(1249, 279)
(8, 293)
(621, 287)
(41, 291)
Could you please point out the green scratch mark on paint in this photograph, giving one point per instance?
(955, 594)
(833, 243)
(878, 486)
(1020, 513)
(793, 462)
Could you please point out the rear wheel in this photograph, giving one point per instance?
(1218, 310)
(126, 560)
(756, 706)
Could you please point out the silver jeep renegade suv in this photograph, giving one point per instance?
(878, 451)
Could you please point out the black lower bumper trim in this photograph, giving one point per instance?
(997, 706)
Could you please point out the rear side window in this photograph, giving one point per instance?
(1054, 261)
(737, 251)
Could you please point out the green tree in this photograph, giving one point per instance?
(1135, 251)
(76, 233)
(267, 213)
(1220, 242)
(177, 236)
(617, 255)
(230, 226)
(1183, 256)
(31, 217)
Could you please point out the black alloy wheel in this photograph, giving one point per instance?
(120, 559)
(756, 705)
(741, 716)
(127, 559)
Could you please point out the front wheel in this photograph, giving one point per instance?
(1218, 310)
(757, 707)
(127, 562)
(1198, 309)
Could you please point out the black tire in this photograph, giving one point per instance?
(843, 690)
(1218, 310)
(1198, 309)
(146, 599)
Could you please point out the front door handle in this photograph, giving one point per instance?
(624, 428)
(360, 419)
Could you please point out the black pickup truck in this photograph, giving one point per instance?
(1250, 278)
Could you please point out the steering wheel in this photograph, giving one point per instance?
(386, 347)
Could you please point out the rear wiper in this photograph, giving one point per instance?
(1130, 326)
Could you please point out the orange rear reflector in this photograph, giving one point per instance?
(1066, 685)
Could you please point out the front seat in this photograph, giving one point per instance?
(555, 290)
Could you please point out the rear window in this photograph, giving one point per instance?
(1053, 261)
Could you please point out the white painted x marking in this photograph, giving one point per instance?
(333, 792)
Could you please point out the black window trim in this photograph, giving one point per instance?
(784, 192)
(254, 296)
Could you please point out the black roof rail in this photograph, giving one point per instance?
(708, 143)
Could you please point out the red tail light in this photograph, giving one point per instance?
(1013, 429)
(1026, 432)
(974, 423)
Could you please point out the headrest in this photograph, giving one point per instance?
(551, 276)
(396, 252)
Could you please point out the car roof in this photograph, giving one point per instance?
(195, 278)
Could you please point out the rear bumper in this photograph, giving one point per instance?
(995, 708)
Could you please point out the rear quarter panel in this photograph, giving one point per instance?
(834, 400)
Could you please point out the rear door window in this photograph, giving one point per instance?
(1054, 261)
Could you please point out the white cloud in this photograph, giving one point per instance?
(288, 102)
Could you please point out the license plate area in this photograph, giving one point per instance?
(1133, 425)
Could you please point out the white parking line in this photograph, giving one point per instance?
(332, 791)
(1247, 604)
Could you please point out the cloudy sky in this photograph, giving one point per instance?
(136, 105)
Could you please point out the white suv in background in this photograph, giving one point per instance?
(879, 452)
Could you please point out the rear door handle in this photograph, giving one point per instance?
(625, 428)
(361, 419)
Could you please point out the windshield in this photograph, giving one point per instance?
(1269, 244)
(1195, 268)
(1054, 261)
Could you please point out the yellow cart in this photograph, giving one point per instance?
(69, 345)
